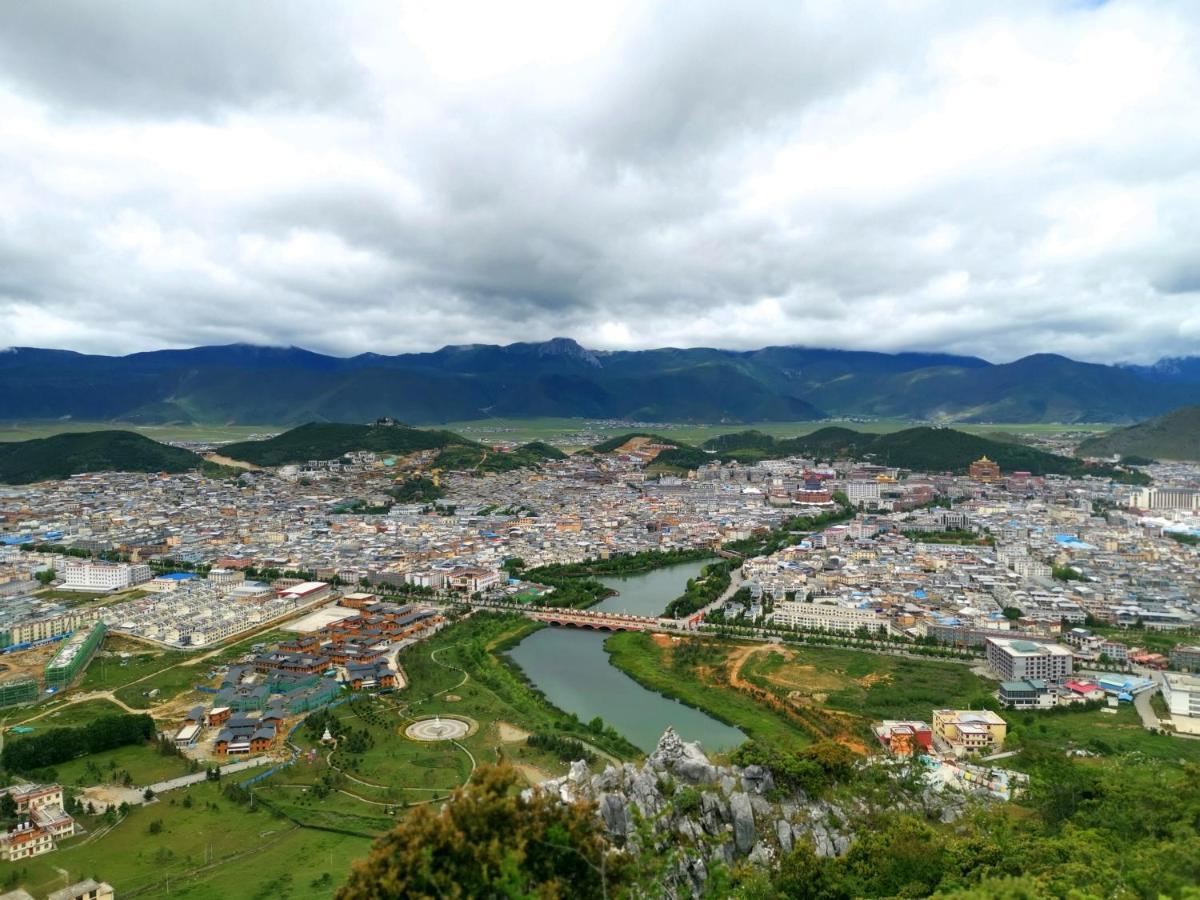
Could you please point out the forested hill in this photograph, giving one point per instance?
(330, 440)
(273, 385)
(921, 449)
(1175, 436)
(64, 455)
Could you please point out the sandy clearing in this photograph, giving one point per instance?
(511, 734)
(533, 774)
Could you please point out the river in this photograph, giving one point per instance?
(571, 667)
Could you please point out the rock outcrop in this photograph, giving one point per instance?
(680, 802)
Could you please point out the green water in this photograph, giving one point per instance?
(572, 669)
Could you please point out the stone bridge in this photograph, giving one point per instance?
(599, 621)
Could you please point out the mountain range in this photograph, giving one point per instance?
(272, 385)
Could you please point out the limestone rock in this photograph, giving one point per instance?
(744, 833)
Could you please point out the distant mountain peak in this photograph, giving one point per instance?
(567, 347)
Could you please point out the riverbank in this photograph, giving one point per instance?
(683, 669)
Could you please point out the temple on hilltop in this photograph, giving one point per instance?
(983, 469)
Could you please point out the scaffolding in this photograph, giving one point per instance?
(74, 656)
(21, 690)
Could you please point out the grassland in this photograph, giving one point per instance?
(144, 764)
(1099, 732)
(25, 431)
(64, 714)
(208, 848)
(868, 685)
(546, 429)
(695, 673)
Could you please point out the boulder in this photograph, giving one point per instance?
(744, 834)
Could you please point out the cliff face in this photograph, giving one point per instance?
(678, 803)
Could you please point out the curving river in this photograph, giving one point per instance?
(571, 667)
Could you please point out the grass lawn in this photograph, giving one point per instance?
(143, 763)
(73, 598)
(1099, 732)
(699, 683)
(871, 685)
(214, 849)
(109, 671)
(69, 714)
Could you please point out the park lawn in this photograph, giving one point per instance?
(871, 685)
(253, 853)
(71, 714)
(143, 762)
(638, 656)
(1098, 732)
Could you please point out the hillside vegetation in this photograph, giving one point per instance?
(920, 449)
(1175, 435)
(64, 455)
(329, 440)
(559, 378)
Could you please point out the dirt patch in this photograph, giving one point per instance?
(533, 774)
(452, 698)
(874, 678)
(232, 463)
(663, 640)
(103, 796)
(511, 734)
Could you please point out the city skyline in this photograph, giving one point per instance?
(396, 178)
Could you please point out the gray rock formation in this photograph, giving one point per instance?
(704, 814)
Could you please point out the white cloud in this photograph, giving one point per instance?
(997, 180)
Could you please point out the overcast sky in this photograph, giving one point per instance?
(988, 178)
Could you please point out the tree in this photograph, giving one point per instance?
(1012, 612)
(489, 842)
(8, 809)
(45, 576)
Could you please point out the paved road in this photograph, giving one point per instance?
(197, 777)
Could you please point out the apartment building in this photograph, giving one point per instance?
(825, 615)
(1018, 660)
(95, 575)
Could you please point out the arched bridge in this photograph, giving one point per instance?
(599, 621)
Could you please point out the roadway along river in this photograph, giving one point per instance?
(572, 669)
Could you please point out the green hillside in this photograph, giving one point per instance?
(920, 449)
(64, 455)
(329, 440)
(621, 440)
(478, 459)
(1175, 435)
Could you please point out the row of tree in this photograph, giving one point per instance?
(58, 745)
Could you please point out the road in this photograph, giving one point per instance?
(197, 777)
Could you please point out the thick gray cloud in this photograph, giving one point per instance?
(350, 177)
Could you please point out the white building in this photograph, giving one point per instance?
(866, 492)
(1017, 660)
(823, 615)
(94, 575)
(1182, 695)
